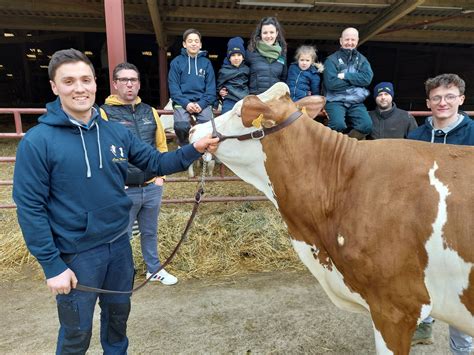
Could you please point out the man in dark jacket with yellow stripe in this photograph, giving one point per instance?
(144, 189)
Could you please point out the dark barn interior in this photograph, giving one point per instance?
(406, 42)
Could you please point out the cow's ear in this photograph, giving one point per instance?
(311, 104)
(254, 112)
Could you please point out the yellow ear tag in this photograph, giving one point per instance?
(303, 110)
(257, 123)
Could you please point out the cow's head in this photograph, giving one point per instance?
(246, 158)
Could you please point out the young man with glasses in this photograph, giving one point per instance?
(446, 125)
(144, 189)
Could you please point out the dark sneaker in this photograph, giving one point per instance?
(423, 334)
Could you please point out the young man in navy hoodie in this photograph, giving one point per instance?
(446, 125)
(192, 85)
(72, 207)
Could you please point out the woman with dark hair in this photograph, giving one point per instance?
(266, 56)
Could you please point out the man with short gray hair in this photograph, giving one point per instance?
(347, 74)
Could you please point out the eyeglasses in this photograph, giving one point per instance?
(126, 80)
(450, 98)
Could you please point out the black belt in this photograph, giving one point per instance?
(140, 185)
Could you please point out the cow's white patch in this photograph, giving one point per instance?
(330, 280)
(380, 344)
(340, 240)
(447, 274)
(425, 312)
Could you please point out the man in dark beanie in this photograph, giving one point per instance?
(233, 77)
(388, 121)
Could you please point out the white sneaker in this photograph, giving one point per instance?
(164, 277)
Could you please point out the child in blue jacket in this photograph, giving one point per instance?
(304, 74)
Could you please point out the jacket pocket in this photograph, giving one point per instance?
(108, 221)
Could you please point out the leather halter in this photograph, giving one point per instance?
(259, 133)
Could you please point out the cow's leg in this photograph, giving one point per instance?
(191, 170)
(393, 337)
(380, 345)
(210, 167)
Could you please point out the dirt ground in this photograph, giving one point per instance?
(266, 313)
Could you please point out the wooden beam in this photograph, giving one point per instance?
(387, 18)
(160, 33)
(317, 17)
(426, 36)
(257, 14)
(78, 7)
(66, 25)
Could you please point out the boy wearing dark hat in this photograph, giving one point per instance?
(233, 77)
(388, 121)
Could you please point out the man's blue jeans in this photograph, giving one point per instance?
(355, 116)
(459, 342)
(108, 266)
(146, 209)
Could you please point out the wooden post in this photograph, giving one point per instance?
(115, 32)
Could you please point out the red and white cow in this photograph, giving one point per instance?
(385, 226)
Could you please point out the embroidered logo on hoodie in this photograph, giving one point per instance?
(118, 153)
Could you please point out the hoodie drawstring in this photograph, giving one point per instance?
(86, 157)
(432, 135)
(195, 65)
(98, 143)
(88, 174)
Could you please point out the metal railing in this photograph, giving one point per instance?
(17, 112)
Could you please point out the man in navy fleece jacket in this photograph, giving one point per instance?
(72, 207)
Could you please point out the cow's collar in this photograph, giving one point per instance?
(259, 133)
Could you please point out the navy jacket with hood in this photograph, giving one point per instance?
(192, 80)
(69, 183)
(462, 134)
(234, 79)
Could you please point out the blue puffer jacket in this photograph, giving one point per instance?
(192, 79)
(462, 134)
(69, 183)
(263, 74)
(303, 82)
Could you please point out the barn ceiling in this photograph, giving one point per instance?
(420, 21)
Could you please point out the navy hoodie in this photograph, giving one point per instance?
(192, 79)
(69, 183)
(462, 134)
